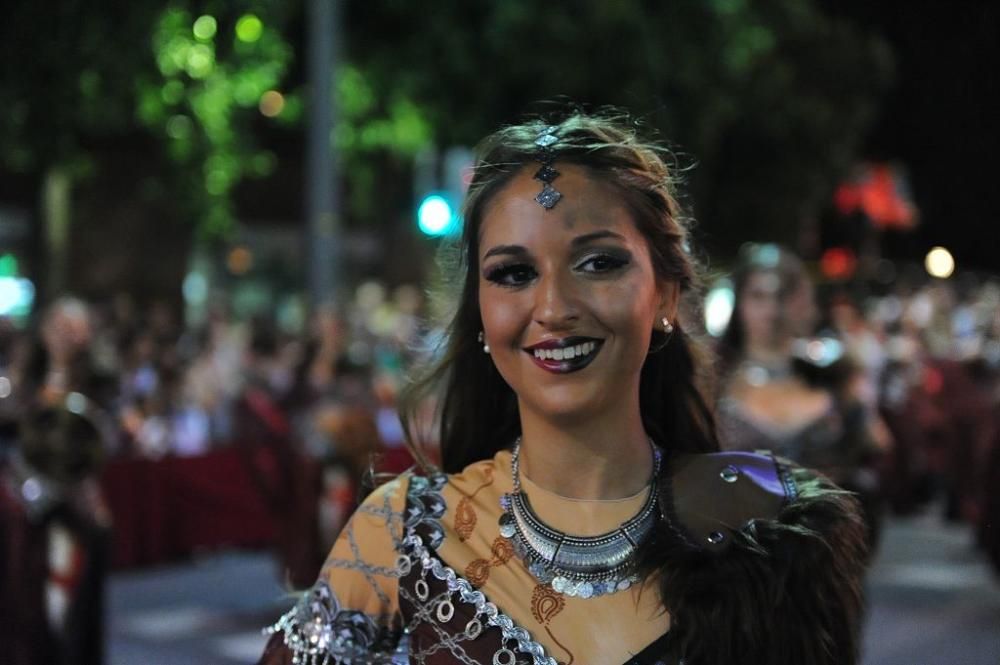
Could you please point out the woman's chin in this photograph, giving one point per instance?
(566, 407)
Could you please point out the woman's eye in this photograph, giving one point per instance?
(510, 275)
(602, 263)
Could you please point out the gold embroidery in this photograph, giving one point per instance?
(465, 519)
(545, 605)
(478, 572)
(563, 647)
(465, 514)
(502, 551)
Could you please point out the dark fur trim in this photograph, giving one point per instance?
(788, 592)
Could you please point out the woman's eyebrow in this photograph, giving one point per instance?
(511, 250)
(519, 250)
(596, 235)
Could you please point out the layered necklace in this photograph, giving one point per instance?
(582, 566)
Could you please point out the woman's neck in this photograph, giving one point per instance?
(769, 351)
(599, 458)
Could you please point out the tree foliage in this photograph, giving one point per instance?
(67, 74)
(215, 70)
(769, 99)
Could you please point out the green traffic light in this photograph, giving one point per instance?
(8, 265)
(435, 216)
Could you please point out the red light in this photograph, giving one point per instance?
(880, 192)
(838, 263)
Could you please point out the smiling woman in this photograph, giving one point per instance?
(553, 281)
(583, 513)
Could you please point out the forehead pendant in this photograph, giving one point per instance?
(548, 197)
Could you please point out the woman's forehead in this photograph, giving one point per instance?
(766, 281)
(587, 205)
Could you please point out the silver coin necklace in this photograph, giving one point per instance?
(581, 566)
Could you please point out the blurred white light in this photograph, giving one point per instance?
(31, 490)
(939, 263)
(195, 288)
(821, 351)
(17, 295)
(10, 293)
(719, 308)
(76, 403)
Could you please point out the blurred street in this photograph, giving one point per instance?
(933, 598)
(934, 601)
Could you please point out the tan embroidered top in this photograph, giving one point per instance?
(368, 565)
(765, 566)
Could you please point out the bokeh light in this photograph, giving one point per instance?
(17, 296)
(172, 92)
(719, 308)
(8, 265)
(200, 61)
(239, 261)
(272, 103)
(939, 263)
(195, 288)
(838, 263)
(179, 127)
(249, 28)
(205, 27)
(434, 216)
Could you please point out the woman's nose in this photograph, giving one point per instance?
(555, 301)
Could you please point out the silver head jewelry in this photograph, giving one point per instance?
(548, 197)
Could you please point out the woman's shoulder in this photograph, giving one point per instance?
(476, 473)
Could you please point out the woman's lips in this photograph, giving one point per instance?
(565, 356)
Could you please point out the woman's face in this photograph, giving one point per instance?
(568, 296)
(769, 315)
(760, 307)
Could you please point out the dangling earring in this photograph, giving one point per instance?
(486, 347)
(667, 326)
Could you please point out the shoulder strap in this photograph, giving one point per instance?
(708, 497)
(766, 561)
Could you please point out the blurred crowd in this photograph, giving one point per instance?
(170, 389)
(894, 393)
(928, 361)
(920, 361)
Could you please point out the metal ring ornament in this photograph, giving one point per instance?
(473, 629)
(445, 610)
(422, 589)
(507, 653)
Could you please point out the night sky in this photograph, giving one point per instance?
(940, 119)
